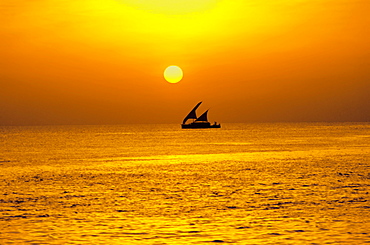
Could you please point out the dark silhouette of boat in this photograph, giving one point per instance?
(198, 122)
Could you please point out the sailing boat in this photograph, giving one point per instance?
(198, 122)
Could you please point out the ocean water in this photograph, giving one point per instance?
(304, 183)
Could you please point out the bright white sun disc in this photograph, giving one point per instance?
(173, 74)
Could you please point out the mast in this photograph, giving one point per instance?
(192, 114)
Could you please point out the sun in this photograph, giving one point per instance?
(173, 74)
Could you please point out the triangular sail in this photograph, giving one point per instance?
(203, 117)
(192, 114)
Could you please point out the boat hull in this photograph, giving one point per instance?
(200, 125)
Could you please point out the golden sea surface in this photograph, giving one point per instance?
(304, 183)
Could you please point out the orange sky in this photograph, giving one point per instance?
(102, 61)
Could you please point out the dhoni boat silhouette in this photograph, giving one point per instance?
(198, 122)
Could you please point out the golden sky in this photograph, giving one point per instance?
(102, 61)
